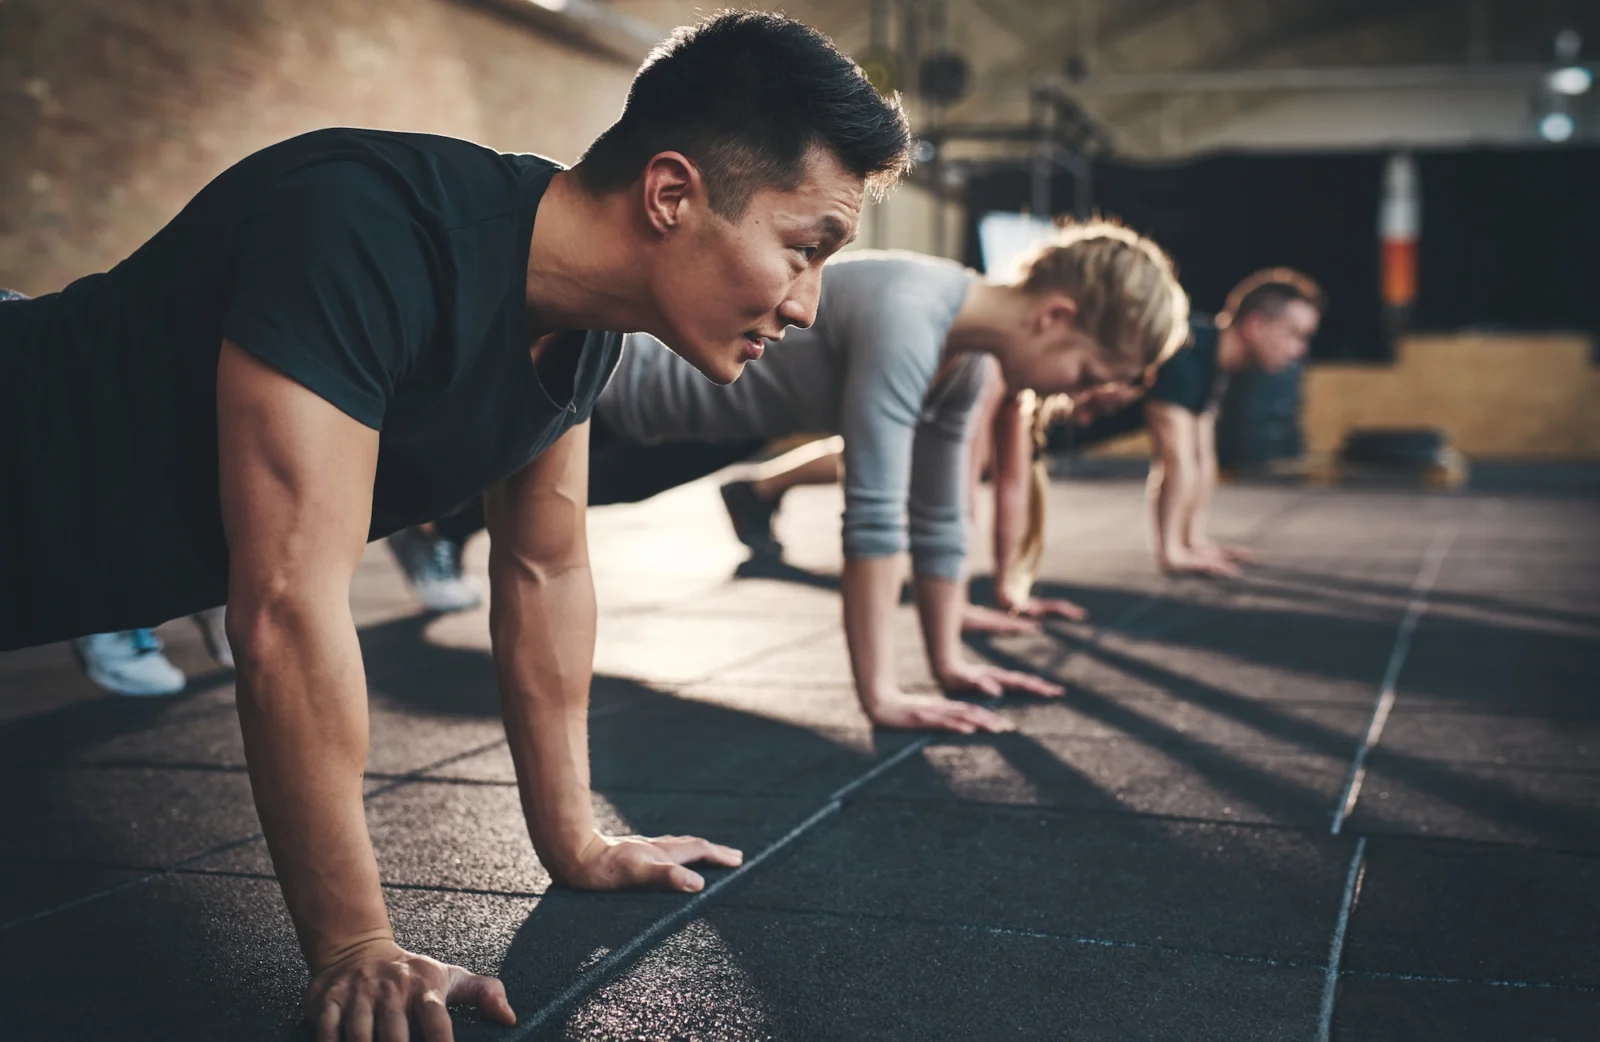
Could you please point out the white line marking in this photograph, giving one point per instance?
(1427, 574)
(1330, 983)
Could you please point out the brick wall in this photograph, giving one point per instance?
(113, 113)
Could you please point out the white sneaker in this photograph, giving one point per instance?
(129, 662)
(433, 569)
(213, 627)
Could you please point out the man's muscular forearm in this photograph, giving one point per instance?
(303, 713)
(543, 626)
(543, 629)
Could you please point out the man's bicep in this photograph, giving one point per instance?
(537, 515)
(296, 479)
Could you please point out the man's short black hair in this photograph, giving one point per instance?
(1271, 290)
(746, 95)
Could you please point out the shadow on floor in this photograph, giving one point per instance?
(667, 764)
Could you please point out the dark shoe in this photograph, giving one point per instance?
(752, 518)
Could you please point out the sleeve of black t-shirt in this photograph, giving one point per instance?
(334, 287)
(1182, 381)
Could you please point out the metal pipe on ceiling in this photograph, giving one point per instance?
(1376, 77)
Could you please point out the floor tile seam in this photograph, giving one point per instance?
(1487, 982)
(610, 791)
(998, 929)
(1149, 695)
(1384, 836)
(1272, 749)
(1468, 705)
(1447, 707)
(221, 849)
(1427, 573)
(85, 864)
(1027, 810)
(439, 888)
(1378, 760)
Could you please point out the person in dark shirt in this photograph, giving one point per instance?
(1267, 323)
(356, 331)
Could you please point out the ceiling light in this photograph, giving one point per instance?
(1571, 81)
(1556, 126)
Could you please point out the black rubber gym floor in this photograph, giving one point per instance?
(1356, 796)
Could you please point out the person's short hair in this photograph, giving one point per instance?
(1125, 287)
(747, 95)
(1268, 292)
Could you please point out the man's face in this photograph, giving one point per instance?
(1278, 341)
(726, 286)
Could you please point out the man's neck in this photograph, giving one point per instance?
(583, 270)
(1231, 351)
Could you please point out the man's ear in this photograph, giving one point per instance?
(670, 180)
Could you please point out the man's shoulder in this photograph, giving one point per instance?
(332, 143)
(443, 180)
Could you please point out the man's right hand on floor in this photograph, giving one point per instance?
(375, 991)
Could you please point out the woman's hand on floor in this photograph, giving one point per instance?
(984, 679)
(902, 712)
(1049, 607)
(975, 618)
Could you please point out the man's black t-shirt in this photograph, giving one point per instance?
(385, 272)
(1190, 379)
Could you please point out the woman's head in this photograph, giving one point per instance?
(1104, 305)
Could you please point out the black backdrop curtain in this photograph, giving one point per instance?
(1510, 238)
